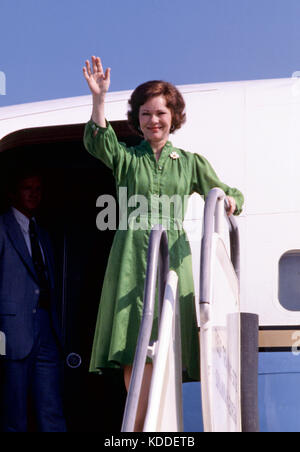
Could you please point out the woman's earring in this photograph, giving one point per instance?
(172, 128)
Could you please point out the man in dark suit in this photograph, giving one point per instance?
(28, 319)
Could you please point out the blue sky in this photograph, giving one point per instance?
(44, 43)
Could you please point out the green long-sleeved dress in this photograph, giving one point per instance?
(176, 173)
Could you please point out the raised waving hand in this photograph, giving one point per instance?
(98, 82)
(97, 79)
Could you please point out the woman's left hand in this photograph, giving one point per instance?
(231, 205)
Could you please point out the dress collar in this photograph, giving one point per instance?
(165, 150)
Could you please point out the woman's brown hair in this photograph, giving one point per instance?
(153, 88)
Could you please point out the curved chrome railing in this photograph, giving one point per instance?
(213, 214)
(158, 256)
(213, 222)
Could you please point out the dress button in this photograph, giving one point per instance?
(37, 291)
(34, 311)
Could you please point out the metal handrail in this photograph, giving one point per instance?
(248, 322)
(213, 211)
(165, 394)
(213, 222)
(158, 254)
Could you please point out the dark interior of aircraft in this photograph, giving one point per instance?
(73, 180)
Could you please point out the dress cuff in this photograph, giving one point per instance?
(96, 128)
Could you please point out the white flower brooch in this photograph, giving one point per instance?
(174, 155)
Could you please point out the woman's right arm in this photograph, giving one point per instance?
(98, 82)
(100, 139)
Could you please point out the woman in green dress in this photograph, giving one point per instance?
(155, 172)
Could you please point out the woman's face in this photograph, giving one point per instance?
(155, 120)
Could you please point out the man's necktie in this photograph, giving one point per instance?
(40, 267)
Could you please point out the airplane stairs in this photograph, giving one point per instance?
(228, 337)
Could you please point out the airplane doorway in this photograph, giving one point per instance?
(73, 182)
